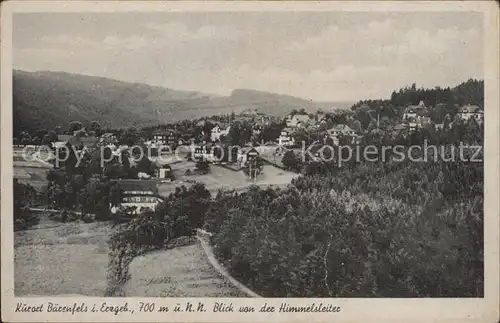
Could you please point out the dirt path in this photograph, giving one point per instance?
(56, 259)
(179, 272)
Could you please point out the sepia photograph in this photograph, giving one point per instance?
(248, 154)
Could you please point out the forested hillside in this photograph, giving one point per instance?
(44, 100)
(440, 101)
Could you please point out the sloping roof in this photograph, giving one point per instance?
(341, 128)
(301, 117)
(471, 109)
(138, 185)
(222, 125)
(246, 150)
(164, 131)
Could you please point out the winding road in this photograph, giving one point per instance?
(54, 258)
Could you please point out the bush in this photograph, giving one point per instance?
(24, 196)
(203, 167)
(181, 242)
(291, 162)
(88, 218)
(186, 209)
(143, 233)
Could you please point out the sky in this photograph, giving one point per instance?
(323, 56)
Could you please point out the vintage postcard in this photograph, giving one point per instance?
(250, 161)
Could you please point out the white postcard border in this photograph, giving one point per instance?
(353, 309)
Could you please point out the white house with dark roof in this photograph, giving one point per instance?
(341, 129)
(415, 112)
(204, 152)
(165, 137)
(246, 153)
(471, 112)
(286, 138)
(139, 193)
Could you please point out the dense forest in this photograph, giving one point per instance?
(375, 229)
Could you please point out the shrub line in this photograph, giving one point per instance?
(213, 261)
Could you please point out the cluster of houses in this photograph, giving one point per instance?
(298, 122)
(469, 112)
(417, 117)
(93, 144)
(143, 193)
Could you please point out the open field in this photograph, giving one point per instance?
(180, 272)
(34, 176)
(57, 259)
(61, 258)
(223, 178)
(29, 170)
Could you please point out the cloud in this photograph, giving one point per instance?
(344, 82)
(421, 42)
(125, 43)
(63, 40)
(179, 32)
(335, 60)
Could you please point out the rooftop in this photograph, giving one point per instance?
(138, 185)
(164, 131)
(301, 117)
(471, 109)
(77, 141)
(246, 150)
(341, 128)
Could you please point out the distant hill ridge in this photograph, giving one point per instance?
(46, 99)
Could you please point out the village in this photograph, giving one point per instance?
(176, 183)
(187, 159)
